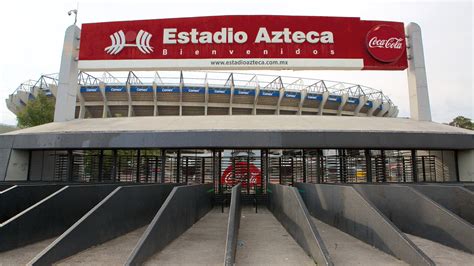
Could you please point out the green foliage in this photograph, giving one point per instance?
(37, 112)
(462, 122)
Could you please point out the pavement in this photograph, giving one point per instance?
(264, 241)
(345, 249)
(202, 244)
(113, 252)
(441, 254)
(21, 256)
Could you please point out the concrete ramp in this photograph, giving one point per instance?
(456, 199)
(288, 207)
(184, 207)
(344, 208)
(20, 197)
(51, 216)
(125, 209)
(416, 214)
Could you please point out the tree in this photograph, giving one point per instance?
(462, 122)
(37, 112)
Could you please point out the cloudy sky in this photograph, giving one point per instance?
(32, 33)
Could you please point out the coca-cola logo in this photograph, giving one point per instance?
(385, 43)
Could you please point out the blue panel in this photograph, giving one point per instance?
(352, 100)
(115, 89)
(314, 97)
(90, 89)
(244, 92)
(194, 90)
(293, 95)
(270, 93)
(219, 91)
(168, 89)
(334, 98)
(369, 104)
(141, 89)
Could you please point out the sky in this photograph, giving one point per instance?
(32, 35)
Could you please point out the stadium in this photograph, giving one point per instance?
(159, 150)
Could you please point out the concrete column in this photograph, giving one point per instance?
(18, 166)
(323, 102)
(417, 82)
(465, 166)
(67, 87)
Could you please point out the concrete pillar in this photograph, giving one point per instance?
(18, 166)
(417, 82)
(67, 85)
(465, 165)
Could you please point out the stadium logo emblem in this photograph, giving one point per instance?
(119, 41)
(385, 43)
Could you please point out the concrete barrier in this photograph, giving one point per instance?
(20, 197)
(416, 214)
(125, 209)
(457, 199)
(3, 187)
(288, 207)
(343, 207)
(51, 216)
(235, 212)
(184, 206)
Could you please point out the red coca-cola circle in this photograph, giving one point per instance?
(385, 43)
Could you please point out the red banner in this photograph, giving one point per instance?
(244, 42)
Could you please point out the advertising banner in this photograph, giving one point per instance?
(244, 42)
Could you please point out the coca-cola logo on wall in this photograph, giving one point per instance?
(385, 43)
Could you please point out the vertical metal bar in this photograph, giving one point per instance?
(214, 169)
(70, 165)
(163, 165)
(423, 168)
(267, 169)
(456, 162)
(292, 171)
(341, 177)
(318, 166)
(414, 166)
(114, 166)
(138, 166)
(28, 177)
(404, 170)
(279, 169)
(384, 166)
(304, 166)
(101, 164)
(203, 169)
(178, 166)
(368, 165)
(219, 167)
(187, 170)
(248, 172)
(156, 169)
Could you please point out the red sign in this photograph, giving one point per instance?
(385, 43)
(231, 177)
(242, 42)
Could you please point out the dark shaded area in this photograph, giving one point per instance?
(344, 208)
(125, 209)
(415, 214)
(53, 216)
(454, 198)
(21, 197)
